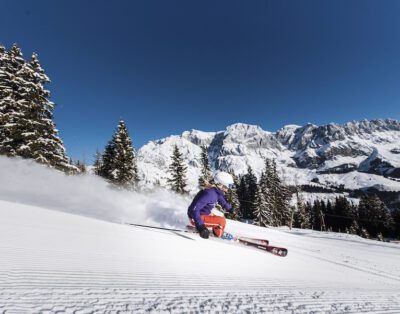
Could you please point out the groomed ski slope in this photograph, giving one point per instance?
(52, 261)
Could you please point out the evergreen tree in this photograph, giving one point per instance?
(396, 220)
(302, 217)
(107, 167)
(178, 172)
(251, 191)
(81, 166)
(282, 195)
(242, 195)
(266, 188)
(27, 126)
(10, 64)
(308, 208)
(262, 213)
(98, 163)
(364, 233)
(344, 212)
(232, 198)
(374, 216)
(354, 228)
(119, 160)
(206, 174)
(315, 216)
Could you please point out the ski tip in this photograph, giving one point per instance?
(281, 252)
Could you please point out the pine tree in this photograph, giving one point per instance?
(396, 221)
(316, 215)
(27, 127)
(81, 166)
(206, 174)
(242, 195)
(374, 216)
(282, 210)
(10, 64)
(266, 185)
(97, 163)
(232, 198)
(119, 160)
(364, 233)
(263, 215)
(354, 228)
(344, 213)
(302, 215)
(251, 191)
(178, 172)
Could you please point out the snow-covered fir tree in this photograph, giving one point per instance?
(301, 217)
(262, 213)
(265, 186)
(276, 194)
(118, 163)
(247, 193)
(206, 174)
(354, 228)
(344, 213)
(282, 210)
(233, 199)
(374, 216)
(177, 169)
(10, 63)
(27, 126)
(364, 233)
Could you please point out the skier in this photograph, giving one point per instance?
(200, 211)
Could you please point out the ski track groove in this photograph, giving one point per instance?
(305, 252)
(97, 292)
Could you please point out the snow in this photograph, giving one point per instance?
(358, 180)
(315, 148)
(63, 249)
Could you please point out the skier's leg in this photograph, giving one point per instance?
(217, 223)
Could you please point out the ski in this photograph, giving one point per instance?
(278, 251)
(261, 244)
(255, 240)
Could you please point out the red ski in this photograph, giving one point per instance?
(262, 244)
(278, 251)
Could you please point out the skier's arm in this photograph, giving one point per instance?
(224, 203)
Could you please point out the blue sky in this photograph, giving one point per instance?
(169, 66)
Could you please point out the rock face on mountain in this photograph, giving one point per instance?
(357, 154)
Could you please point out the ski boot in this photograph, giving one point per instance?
(227, 236)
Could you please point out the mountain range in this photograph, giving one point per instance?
(354, 155)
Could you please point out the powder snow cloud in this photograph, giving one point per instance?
(25, 181)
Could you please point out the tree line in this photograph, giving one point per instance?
(369, 218)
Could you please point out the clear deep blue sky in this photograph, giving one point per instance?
(169, 66)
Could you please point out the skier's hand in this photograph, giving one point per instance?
(204, 232)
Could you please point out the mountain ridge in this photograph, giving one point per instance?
(309, 152)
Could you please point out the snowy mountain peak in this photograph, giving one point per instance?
(243, 128)
(199, 137)
(327, 153)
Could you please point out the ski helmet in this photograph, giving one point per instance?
(223, 178)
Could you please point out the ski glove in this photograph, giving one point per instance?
(204, 232)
